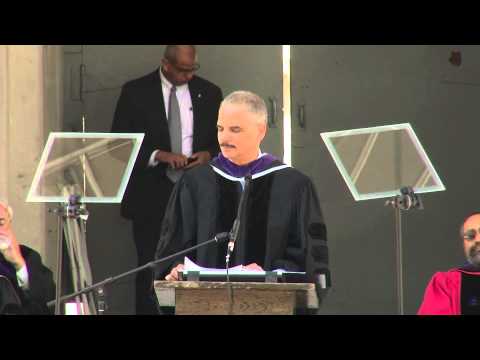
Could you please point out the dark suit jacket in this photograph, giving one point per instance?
(141, 109)
(42, 287)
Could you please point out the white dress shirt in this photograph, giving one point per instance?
(22, 278)
(186, 115)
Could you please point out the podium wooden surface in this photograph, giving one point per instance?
(235, 298)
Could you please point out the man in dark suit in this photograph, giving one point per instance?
(178, 113)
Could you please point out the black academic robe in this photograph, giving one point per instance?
(284, 226)
(41, 285)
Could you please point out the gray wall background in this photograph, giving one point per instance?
(340, 87)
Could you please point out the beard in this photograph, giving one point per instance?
(474, 255)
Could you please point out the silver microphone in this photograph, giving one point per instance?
(234, 233)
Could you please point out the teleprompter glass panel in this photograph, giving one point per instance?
(94, 166)
(377, 162)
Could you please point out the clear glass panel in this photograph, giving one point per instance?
(95, 166)
(376, 162)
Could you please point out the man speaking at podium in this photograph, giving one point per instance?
(284, 227)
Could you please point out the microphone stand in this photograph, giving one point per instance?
(234, 233)
(72, 209)
(98, 287)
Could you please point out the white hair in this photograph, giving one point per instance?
(253, 102)
(9, 209)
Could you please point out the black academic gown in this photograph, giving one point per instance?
(41, 285)
(284, 227)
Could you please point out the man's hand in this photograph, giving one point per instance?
(176, 161)
(201, 157)
(12, 253)
(253, 266)
(173, 276)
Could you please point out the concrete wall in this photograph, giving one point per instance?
(30, 107)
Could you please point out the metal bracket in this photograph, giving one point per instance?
(193, 276)
(272, 119)
(271, 277)
(302, 121)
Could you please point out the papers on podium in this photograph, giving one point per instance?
(239, 272)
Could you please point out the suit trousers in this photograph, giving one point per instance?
(146, 233)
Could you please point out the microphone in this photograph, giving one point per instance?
(234, 233)
(222, 237)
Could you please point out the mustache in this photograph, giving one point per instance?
(474, 250)
(227, 145)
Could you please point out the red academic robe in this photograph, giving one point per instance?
(442, 296)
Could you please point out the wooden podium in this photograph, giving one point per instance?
(235, 298)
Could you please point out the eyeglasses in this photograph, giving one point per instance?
(470, 234)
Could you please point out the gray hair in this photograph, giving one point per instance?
(254, 103)
(7, 207)
(171, 51)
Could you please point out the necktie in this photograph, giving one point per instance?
(175, 129)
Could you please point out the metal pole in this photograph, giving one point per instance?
(399, 262)
(59, 261)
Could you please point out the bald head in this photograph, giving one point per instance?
(171, 51)
(471, 238)
(179, 64)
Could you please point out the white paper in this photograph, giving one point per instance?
(189, 265)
